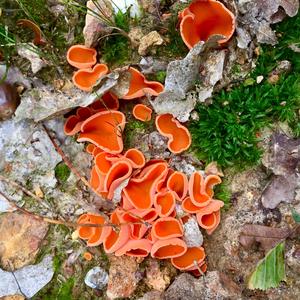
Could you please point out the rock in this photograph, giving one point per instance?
(213, 169)
(214, 285)
(28, 280)
(151, 39)
(192, 234)
(96, 278)
(181, 78)
(257, 16)
(44, 102)
(283, 66)
(243, 38)
(14, 76)
(153, 295)
(273, 79)
(94, 26)
(150, 6)
(283, 155)
(279, 189)
(259, 79)
(26, 148)
(5, 206)
(30, 52)
(122, 280)
(13, 297)
(150, 65)
(156, 278)
(136, 34)
(21, 236)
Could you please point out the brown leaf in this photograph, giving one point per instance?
(38, 39)
(266, 236)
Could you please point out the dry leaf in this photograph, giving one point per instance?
(266, 236)
(212, 169)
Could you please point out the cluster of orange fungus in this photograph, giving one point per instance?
(203, 19)
(178, 135)
(89, 73)
(139, 86)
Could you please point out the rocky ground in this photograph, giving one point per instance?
(46, 261)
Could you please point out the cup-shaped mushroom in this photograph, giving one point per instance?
(136, 158)
(164, 203)
(193, 255)
(90, 148)
(93, 235)
(74, 122)
(197, 190)
(140, 191)
(109, 101)
(117, 238)
(104, 130)
(125, 203)
(142, 112)
(86, 79)
(97, 181)
(209, 216)
(178, 183)
(81, 57)
(178, 135)
(118, 173)
(170, 248)
(203, 19)
(102, 163)
(140, 87)
(189, 207)
(209, 183)
(167, 228)
(137, 248)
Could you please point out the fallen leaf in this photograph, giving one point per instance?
(296, 216)
(279, 189)
(38, 39)
(266, 236)
(270, 271)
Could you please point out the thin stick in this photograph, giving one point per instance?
(66, 159)
(60, 222)
(27, 192)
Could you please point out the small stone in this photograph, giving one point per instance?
(192, 234)
(259, 79)
(21, 236)
(273, 78)
(122, 280)
(94, 25)
(195, 116)
(155, 278)
(151, 39)
(29, 53)
(152, 295)
(96, 278)
(136, 34)
(214, 285)
(213, 169)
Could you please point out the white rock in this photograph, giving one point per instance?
(123, 5)
(192, 234)
(96, 278)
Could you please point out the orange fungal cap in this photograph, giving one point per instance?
(167, 228)
(142, 112)
(81, 57)
(188, 259)
(170, 248)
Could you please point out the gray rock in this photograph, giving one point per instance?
(28, 280)
(94, 26)
(257, 16)
(150, 65)
(152, 295)
(192, 234)
(30, 52)
(280, 189)
(44, 102)
(214, 285)
(96, 278)
(14, 76)
(153, 38)
(182, 76)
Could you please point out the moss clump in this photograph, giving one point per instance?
(223, 193)
(133, 128)
(228, 130)
(62, 172)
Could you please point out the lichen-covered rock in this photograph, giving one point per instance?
(192, 234)
(214, 285)
(21, 236)
(122, 280)
(96, 278)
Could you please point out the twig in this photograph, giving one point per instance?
(61, 222)
(66, 159)
(27, 192)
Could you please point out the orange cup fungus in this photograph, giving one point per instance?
(139, 86)
(142, 112)
(104, 129)
(109, 101)
(187, 260)
(86, 79)
(81, 57)
(203, 19)
(178, 135)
